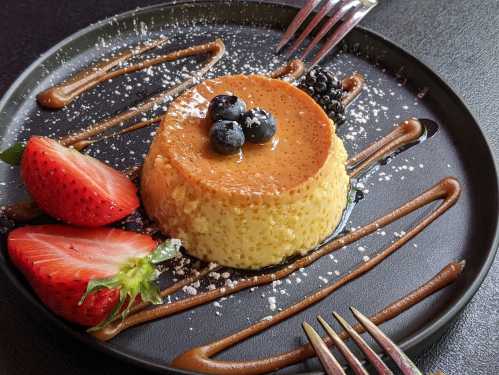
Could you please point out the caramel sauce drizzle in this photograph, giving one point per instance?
(405, 133)
(215, 48)
(448, 190)
(353, 87)
(177, 286)
(57, 97)
(290, 71)
(80, 145)
(199, 359)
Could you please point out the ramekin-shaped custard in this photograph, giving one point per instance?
(256, 208)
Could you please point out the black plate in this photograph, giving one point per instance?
(394, 79)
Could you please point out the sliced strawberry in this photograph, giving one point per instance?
(74, 187)
(105, 266)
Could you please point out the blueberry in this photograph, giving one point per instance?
(226, 107)
(258, 125)
(226, 137)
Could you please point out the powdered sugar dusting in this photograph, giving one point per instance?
(383, 103)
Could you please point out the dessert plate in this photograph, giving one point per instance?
(398, 86)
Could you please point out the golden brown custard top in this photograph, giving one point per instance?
(297, 151)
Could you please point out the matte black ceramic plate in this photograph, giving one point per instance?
(398, 86)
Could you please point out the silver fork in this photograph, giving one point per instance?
(332, 366)
(350, 12)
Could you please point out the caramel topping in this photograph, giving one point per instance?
(296, 153)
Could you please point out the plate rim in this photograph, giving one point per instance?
(412, 341)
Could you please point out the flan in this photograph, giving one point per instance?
(260, 206)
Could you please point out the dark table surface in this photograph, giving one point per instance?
(458, 39)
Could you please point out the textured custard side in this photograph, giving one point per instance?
(246, 236)
(240, 228)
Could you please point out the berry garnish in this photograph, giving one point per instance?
(327, 91)
(226, 107)
(226, 137)
(258, 125)
(89, 276)
(74, 187)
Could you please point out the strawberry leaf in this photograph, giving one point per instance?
(166, 250)
(97, 284)
(136, 278)
(150, 293)
(13, 154)
(114, 312)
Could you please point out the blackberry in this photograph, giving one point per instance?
(327, 91)
(338, 118)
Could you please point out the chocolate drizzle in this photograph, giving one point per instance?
(22, 212)
(26, 211)
(199, 359)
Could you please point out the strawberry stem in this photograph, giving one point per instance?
(137, 277)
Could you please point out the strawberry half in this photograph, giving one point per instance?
(87, 275)
(74, 187)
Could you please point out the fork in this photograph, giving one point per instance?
(332, 366)
(350, 11)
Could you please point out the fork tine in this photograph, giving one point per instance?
(344, 9)
(330, 364)
(297, 21)
(352, 360)
(401, 360)
(328, 5)
(370, 354)
(353, 19)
